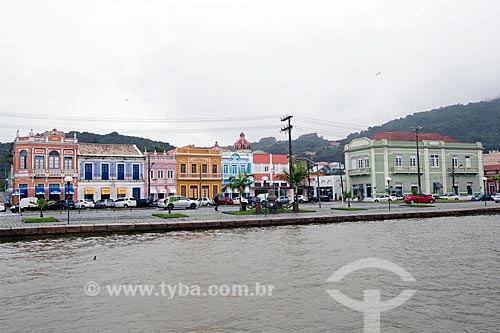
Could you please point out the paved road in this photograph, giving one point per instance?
(91, 216)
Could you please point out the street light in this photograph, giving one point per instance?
(484, 179)
(416, 129)
(318, 189)
(68, 180)
(389, 191)
(453, 188)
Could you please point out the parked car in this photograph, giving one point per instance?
(125, 203)
(225, 200)
(84, 203)
(205, 202)
(450, 196)
(384, 198)
(302, 198)
(104, 203)
(482, 197)
(25, 204)
(420, 198)
(2, 207)
(496, 197)
(284, 199)
(178, 202)
(143, 202)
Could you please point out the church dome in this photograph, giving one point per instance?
(242, 143)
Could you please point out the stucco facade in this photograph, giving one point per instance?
(40, 164)
(369, 162)
(198, 171)
(110, 171)
(162, 174)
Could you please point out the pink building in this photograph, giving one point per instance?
(160, 171)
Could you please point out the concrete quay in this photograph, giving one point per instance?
(141, 220)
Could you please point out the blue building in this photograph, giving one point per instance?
(110, 171)
(238, 160)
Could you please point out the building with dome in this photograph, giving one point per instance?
(236, 160)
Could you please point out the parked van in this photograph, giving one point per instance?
(25, 204)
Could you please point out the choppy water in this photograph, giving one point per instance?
(455, 262)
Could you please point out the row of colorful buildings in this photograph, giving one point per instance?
(52, 165)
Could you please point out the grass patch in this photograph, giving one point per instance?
(39, 219)
(169, 216)
(417, 205)
(349, 208)
(280, 211)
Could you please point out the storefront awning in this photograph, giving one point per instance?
(39, 190)
(88, 190)
(105, 190)
(438, 185)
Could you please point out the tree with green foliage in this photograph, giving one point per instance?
(239, 183)
(41, 204)
(348, 196)
(294, 178)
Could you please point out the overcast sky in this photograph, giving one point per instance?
(196, 72)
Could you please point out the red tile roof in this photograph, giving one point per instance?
(402, 136)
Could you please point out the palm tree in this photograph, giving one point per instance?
(348, 197)
(294, 178)
(239, 182)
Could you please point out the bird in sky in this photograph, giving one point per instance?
(378, 73)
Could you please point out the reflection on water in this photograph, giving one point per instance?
(455, 261)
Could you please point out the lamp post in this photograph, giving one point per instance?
(388, 179)
(416, 129)
(68, 180)
(318, 188)
(453, 169)
(264, 179)
(484, 179)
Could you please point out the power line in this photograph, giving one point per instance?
(141, 120)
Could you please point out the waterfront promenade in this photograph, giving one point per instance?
(142, 220)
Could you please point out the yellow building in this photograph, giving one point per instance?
(198, 171)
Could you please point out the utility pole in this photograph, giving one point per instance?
(289, 130)
(149, 177)
(416, 129)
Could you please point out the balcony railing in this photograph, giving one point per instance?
(194, 176)
(360, 172)
(53, 172)
(405, 169)
(464, 170)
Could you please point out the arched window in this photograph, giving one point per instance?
(23, 159)
(54, 160)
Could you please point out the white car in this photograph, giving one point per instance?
(125, 203)
(205, 202)
(381, 198)
(450, 196)
(302, 198)
(84, 203)
(178, 202)
(496, 197)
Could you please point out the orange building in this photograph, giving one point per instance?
(198, 171)
(40, 164)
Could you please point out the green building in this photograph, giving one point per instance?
(445, 164)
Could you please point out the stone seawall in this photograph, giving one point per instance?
(237, 222)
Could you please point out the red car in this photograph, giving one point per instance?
(420, 198)
(225, 201)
